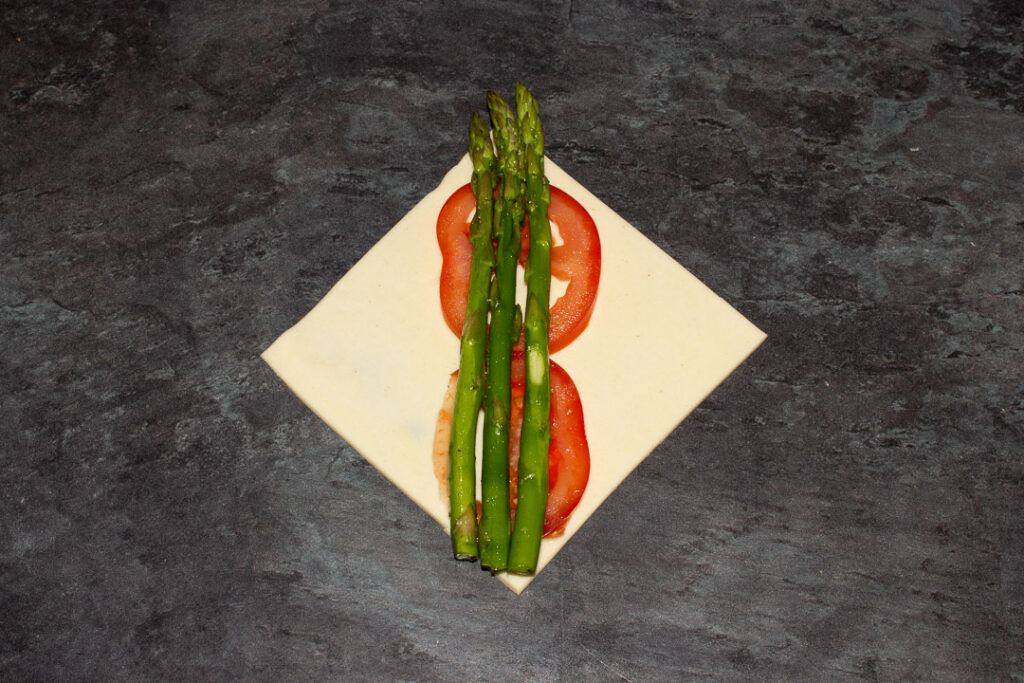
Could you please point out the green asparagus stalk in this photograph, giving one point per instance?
(532, 485)
(470, 384)
(495, 525)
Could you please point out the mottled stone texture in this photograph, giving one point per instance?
(181, 181)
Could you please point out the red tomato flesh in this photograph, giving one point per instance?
(577, 260)
(568, 454)
(457, 254)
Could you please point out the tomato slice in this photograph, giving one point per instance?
(576, 260)
(568, 454)
(457, 254)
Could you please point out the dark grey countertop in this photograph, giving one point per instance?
(181, 181)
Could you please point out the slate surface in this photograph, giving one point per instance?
(181, 181)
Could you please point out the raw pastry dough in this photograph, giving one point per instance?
(373, 357)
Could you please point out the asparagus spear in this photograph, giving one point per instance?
(470, 384)
(532, 485)
(494, 521)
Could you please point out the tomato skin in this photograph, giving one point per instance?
(577, 260)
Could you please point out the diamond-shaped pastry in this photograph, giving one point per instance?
(373, 357)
